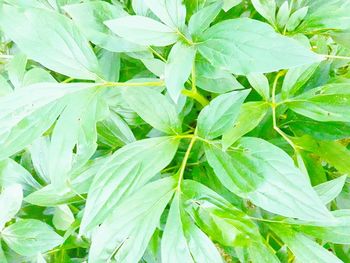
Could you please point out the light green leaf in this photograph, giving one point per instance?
(216, 118)
(16, 69)
(283, 14)
(62, 217)
(225, 45)
(266, 8)
(170, 12)
(2, 255)
(250, 115)
(178, 68)
(183, 241)
(296, 78)
(154, 108)
(5, 87)
(260, 83)
(302, 247)
(143, 30)
(28, 237)
(13, 173)
(213, 79)
(261, 172)
(201, 20)
(222, 221)
(90, 16)
(137, 217)
(331, 189)
(296, 18)
(39, 153)
(174, 244)
(326, 14)
(10, 203)
(336, 232)
(228, 4)
(114, 131)
(127, 170)
(76, 127)
(327, 103)
(37, 75)
(51, 39)
(140, 7)
(110, 64)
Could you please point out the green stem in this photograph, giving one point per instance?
(184, 161)
(336, 57)
(196, 96)
(157, 54)
(273, 107)
(132, 84)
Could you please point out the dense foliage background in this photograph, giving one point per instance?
(175, 131)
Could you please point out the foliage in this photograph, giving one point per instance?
(175, 131)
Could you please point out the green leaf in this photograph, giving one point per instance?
(110, 64)
(213, 79)
(174, 244)
(201, 20)
(302, 247)
(76, 128)
(143, 30)
(261, 172)
(260, 83)
(266, 8)
(37, 75)
(283, 14)
(170, 12)
(216, 118)
(28, 237)
(336, 232)
(296, 18)
(5, 87)
(327, 103)
(50, 39)
(296, 78)
(2, 255)
(154, 108)
(114, 131)
(13, 173)
(62, 217)
(178, 68)
(16, 69)
(221, 221)
(240, 46)
(90, 16)
(10, 202)
(127, 169)
(331, 189)
(137, 217)
(301, 125)
(326, 15)
(183, 241)
(30, 111)
(250, 115)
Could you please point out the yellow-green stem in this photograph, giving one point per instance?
(184, 161)
(196, 96)
(273, 107)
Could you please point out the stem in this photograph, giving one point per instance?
(157, 54)
(188, 41)
(335, 57)
(67, 80)
(132, 84)
(184, 161)
(273, 107)
(5, 56)
(196, 96)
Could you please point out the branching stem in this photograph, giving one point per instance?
(273, 107)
